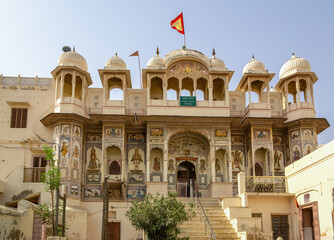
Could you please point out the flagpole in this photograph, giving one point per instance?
(141, 83)
(185, 45)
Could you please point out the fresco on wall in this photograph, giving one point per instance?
(238, 161)
(156, 132)
(94, 157)
(277, 140)
(220, 133)
(75, 170)
(76, 131)
(136, 160)
(65, 129)
(56, 131)
(136, 178)
(76, 148)
(294, 135)
(115, 192)
(187, 146)
(64, 152)
(93, 178)
(75, 190)
(187, 67)
(156, 164)
(237, 140)
(92, 192)
(308, 148)
(136, 193)
(94, 137)
(262, 134)
(136, 138)
(278, 160)
(171, 166)
(296, 152)
(202, 166)
(113, 132)
(308, 134)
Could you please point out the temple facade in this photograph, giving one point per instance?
(184, 131)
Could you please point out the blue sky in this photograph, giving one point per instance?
(33, 33)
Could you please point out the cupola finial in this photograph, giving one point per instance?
(73, 48)
(158, 51)
(253, 58)
(213, 52)
(115, 53)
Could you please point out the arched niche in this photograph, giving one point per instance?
(156, 159)
(78, 88)
(221, 164)
(67, 85)
(156, 90)
(187, 85)
(202, 91)
(303, 93)
(114, 163)
(218, 91)
(115, 89)
(257, 87)
(262, 159)
(173, 89)
(292, 92)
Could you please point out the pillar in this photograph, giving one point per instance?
(298, 92)
(62, 79)
(249, 93)
(227, 93)
(124, 90)
(212, 155)
(56, 90)
(73, 86)
(165, 162)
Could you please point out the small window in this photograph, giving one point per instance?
(39, 161)
(136, 98)
(233, 100)
(272, 100)
(96, 97)
(272, 107)
(19, 118)
(136, 105)
(96, 104)
(306, 198)
(234, 107)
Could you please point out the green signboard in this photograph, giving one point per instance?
(186, 101)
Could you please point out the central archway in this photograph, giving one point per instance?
(186, 176)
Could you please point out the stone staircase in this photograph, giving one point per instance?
(195, 228)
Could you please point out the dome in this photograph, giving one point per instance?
(72, 58)
(182, 53)
(216, 63)
(156, 62)
(293, 65)
(115, 63)
(254, 66)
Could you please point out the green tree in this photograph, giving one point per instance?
(159, 216)
(51, 179)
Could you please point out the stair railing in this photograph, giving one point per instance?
(207, 224)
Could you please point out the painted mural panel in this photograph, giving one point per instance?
(156, 164)
(156, 132)
(171, 166)
(92, 192)
(136, 178)
(261, 134)
(308, 147)
(93, 158)
(278, 160)
(64, 151)
(75, 189)
(308, 134)
(202, 166)
(237, 140)
(295, 151)
(136, 138)
(65, 129)
(294, 135)
(238, 163)
(187, 67)
(135, 193)
(277, 140)
(93, 178)
(94, 137)
(136, 162)
(115, 132)
(220, 133)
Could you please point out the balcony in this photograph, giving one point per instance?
(33, 174)
(266, 184)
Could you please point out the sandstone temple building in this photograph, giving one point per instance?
(183, 130)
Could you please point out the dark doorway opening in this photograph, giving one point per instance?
(186, 177)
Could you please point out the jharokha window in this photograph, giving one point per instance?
(19, 118)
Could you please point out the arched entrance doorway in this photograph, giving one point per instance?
(186, 177)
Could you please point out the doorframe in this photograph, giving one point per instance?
(316, 227)
(120, 226)
(289, 222)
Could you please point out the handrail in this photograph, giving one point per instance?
(195, 192)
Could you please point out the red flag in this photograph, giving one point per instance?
(296, 202)
(136, 53)
(177, 24)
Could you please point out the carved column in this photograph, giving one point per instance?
(62, 87)
(210, 91)
(73, 86)
(164, 97)
(213, 170)
(124, 89)
(83, 90)
(56, 90)
(286, 97)
(148, 157)
(249, 93)
(165, 168)
(227, 93)
(298, 92)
